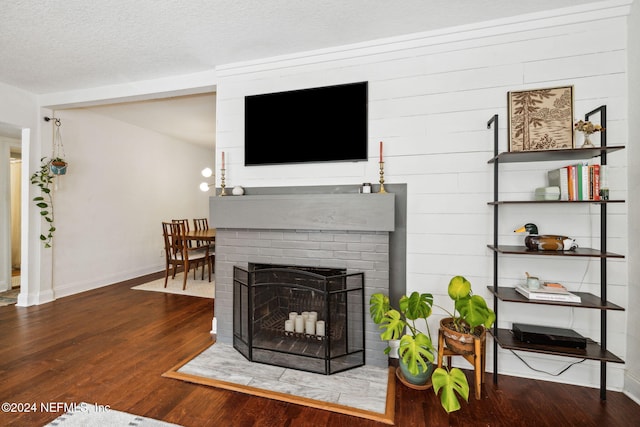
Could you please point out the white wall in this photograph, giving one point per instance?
(430, 96)
(122, 181)
(632, 379)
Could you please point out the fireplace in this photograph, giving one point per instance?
(300, 317)
(312, 227)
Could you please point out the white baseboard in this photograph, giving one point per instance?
(632, 387)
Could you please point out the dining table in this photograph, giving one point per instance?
(208, 235)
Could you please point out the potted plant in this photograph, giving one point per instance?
(416, 351)
(470, 318)
(58, 166)
(43, 178)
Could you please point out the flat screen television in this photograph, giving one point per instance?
(324, 124)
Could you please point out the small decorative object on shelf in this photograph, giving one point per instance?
(545, 242)
(587, 128)
(222, 183)
(366, 188)
(237, 191)
(381, 190)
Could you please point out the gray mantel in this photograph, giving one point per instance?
(337, 212)
(397, 238)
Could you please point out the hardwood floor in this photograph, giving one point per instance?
(110, 346)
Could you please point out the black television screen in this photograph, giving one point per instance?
(322, 124)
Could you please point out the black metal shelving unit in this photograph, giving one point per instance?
(503, 337)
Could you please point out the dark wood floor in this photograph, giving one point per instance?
(110, 346)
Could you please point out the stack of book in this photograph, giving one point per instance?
(577, 182)
(548, 292)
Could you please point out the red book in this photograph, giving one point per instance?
(596, 182)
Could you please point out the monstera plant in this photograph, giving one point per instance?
(470, 311)
(416, 351)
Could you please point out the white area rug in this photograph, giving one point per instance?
(87, 414)
(195, 288)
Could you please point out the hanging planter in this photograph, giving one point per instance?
(58, 163)
(58, 166)
(44, 178)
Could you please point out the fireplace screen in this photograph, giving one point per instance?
(311, 319)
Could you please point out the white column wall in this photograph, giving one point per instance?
(430, 96)
(20, 109)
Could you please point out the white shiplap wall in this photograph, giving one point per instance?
(430, 96)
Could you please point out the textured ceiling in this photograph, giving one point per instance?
(50, 46)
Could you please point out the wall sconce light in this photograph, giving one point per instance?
(207, 173)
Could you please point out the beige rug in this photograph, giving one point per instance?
(195, 288)
(9, 297)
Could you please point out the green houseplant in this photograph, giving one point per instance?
(44, 178)
(470, 316)
(416, 351)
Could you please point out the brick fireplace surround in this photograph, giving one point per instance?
(339, 230)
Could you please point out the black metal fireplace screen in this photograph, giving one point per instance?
(310, 319)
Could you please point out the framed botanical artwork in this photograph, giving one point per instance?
(541, 119)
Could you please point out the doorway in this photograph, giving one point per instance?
(11, 215)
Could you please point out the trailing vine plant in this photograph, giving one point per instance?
(44, 178)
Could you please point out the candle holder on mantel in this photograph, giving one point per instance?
(382, 190)
(222, 184)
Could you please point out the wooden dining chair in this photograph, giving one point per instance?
(202, 224)
(179, 254)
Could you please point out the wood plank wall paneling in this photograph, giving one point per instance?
(429, 99)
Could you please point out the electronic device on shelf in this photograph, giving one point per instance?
(547, 335)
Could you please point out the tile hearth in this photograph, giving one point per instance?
(363, 388)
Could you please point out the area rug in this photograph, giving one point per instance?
(195, 288)
(366, 392)
(9, 297)
(87, 414)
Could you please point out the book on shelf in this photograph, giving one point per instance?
(576, 182)
(542, 295)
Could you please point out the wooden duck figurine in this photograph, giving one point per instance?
(545, 242)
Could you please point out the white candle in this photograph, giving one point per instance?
(292, 315)
(320, 328)
(299, 324)
(310, 327)
(288, 325)
(305, 315)
(313, 315)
